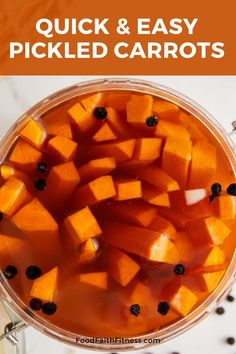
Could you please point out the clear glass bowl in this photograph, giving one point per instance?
(11, 298)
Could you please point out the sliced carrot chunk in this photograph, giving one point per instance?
(178, 217)
(188, 197)
(146, 243)
(118, 100)
(33, 133)
(98, 280)
(210, 230)
(183, 300)
(62, 148)
(154, 195)
(81, 226)
(187, 120)
(165, 109)
(36, 222)
(184, 246)
(97, 168)
(147, 149)
(209, 281)
(225, 207)
(90, 102)
(176, 158)
(61, 182)
(44, 287)
(99, 189)
(163, 226)
(88, 251)
(213, 256)
(166, 129)
(139, 108)
(127, 188)
(13, 195)
(155, 176)
(25, 156)
(104, 134)
(118, 123)
(121, 150)
(57, 124)
(121, 267)
(83, 119)
(137, 212)
(203, 164)
(10, 247)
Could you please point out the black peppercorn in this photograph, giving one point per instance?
(33, 272)
(40, 184)
(163, 308)
(49, 308)
(41, 167)
(10, 272)
(231, 189)
(100, 113)
(179, 269)
(151, 121)
(135, 309)
(35, 304)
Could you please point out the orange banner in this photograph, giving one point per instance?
(126, 37)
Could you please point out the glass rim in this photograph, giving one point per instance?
(148, 87)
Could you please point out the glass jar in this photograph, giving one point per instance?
(25, 316)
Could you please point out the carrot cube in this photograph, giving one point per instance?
(136, 212)
(88, 251)
(139, 108)
(99, 189)
(184, 246)
(25, 156)
(96, 168)
(147, 149)
(154, 195)
(98, 280)
(213, 256)
(176, 158)
(62, 148)
(81, 226)
(210, 230)
(121, 150)
(33, 133)
(44, 287)
(183, 301)
(36, 222)
(118, 123)
(165, 129)
(155, 176)
(121, 267)
(163, 226)
(104, 134)
(225, 207)
(127, 188)
(178, 217)
(90, 102)
(13, 195)
(57, 124)
(146, 243)
(209, 281)
(118, 100)
(203, 164)
(165, 109)
(188, 121)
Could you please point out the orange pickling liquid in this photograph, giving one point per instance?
(120, 216)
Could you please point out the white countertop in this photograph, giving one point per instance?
(218, 96)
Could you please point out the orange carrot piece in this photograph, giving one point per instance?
(176, 158)
(104, 134)
(88, 251)
(203, 165)
(8, 171)
(57, 124)
(122, 268)
(98, 280)
(225, 207)
(164, 108)
(178, 217)
(81, 226)
(188, 121)
(61, 182)
(13, 195)
(25, 156)
(209, 281)
(139, 108)
(10, 247)
(184, 246)
(155, 176)
(213, 256)
(136, 212)
(154, 195)
(210, 230)
(166, 129)
(118, 123)
(36, 222)
(146, 243)
(118, 100)
(99, 189)
(188, 197)
(96, 168)
(127, 188)
(33, 133)
(44, 287)
(147, 149)
(163, 226)
(183, 301)
(62, 148)
(121, 150)
(90, 102)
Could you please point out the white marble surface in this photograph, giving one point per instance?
(218, 96)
